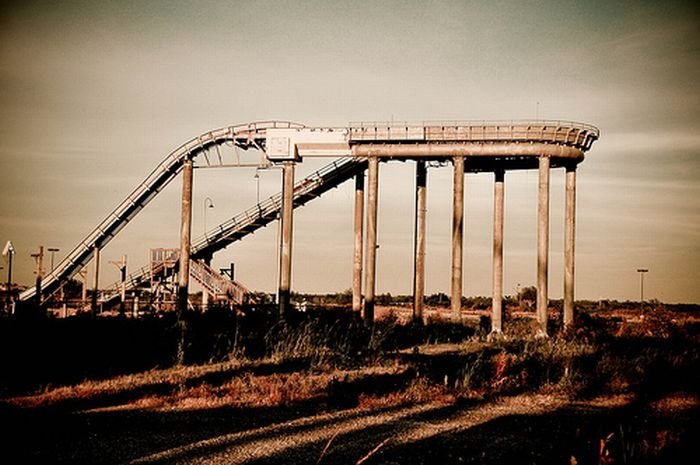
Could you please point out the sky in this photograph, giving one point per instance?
(94, 94)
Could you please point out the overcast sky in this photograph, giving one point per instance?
(94, 94)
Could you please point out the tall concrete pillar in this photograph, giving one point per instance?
(183, 287)
(371, 239)
(286, 237)
(457, 237)
(497, 297)
(95, 281)
(419, 242)
(569, 245)
(357, 252)
(543, 246)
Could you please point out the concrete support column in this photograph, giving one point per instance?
(95, 281)
(286, 227)
(497, 297)
(183, 287)
(457, 237)
(357, 252)
(419, 242)
(569, 245)
(371, 239)
(543, 246)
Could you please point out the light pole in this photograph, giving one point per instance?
(208, 203)
(121, 266)
(9, 251)
(257, 186)
(52, 251)
(641, 272)
(39, 258)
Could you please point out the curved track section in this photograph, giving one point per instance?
(244, 136)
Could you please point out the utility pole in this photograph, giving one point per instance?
(39, 258)
(83, 292)
(121, 266)
(641, 272)
(52, 251)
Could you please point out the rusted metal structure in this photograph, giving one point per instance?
(484, 146)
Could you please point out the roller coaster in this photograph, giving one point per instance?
(495, 146)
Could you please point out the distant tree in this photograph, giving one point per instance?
(527, 297)
(73, 289)
(437, 300)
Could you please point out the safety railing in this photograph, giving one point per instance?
(473, 123)
(549, 131)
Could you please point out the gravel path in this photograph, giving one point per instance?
(293, 442)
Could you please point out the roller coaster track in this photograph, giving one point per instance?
(243, 136)
(489, 144)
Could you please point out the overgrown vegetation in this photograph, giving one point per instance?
(329, 358)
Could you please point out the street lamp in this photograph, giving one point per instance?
(52, 250)
(641, 272)
(208, 203)
(257, 185)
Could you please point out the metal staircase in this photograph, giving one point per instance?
(217, 285)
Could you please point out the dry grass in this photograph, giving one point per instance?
(563, 365)
(418, 391)
(168, 377)
(240, 389)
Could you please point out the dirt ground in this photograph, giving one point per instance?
(123, 427)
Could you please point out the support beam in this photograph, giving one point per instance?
(371, 240)
(183, 287)
(419, 242)
(95, 282)
(543, 246)
(569, 245)
(357, 252)
(457, 237)
(498, 216)
(286, 227)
